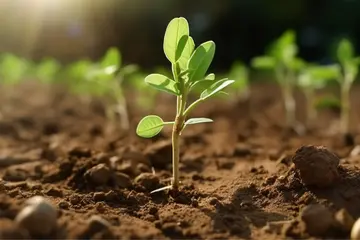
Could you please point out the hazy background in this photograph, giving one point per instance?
(74, 29)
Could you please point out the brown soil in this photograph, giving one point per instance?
(238, 178)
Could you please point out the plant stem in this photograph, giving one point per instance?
(345, 107)
(121, 108)
(289, 104)
(310, 108)
(178, 125)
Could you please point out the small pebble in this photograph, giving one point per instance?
(355, 230)
(38, 217)
(317, 218)
(99, 174)
(97, 223)
(99, 196)
(148, 180)
(64, 205)
(122, 180)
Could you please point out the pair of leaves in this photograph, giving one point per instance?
(179, 49)
(151, 125)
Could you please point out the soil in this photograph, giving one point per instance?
(238, 178)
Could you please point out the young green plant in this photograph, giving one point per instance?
(312, 78)
(189, 68)
(47, 70)
(105, 79)
(349, 65)
(240, 74)
(281, 59)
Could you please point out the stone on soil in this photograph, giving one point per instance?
(38, 217)
(317, 166)
(317, 218)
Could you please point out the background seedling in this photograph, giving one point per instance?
(13, 70)
(189, 68)
(47, 70)
(281, 58)
(104, 79)
(240, 74)
(312, 78)
(348, 71)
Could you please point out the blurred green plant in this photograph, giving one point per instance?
(312, 78)
(281, 58)
(103, 79)
(240, 74)
(108, 76)
(13, 69)
(189, 67)
(349, 66)
(47, 70)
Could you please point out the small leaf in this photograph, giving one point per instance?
(149, 126)
(263, 62)
(215, 88)
(162, 83)
(198, 120)
(176, 29)
(200, 61)
(345, 51)
(186, 52)
(210, 77)
(111, 58)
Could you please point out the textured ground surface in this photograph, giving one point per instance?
(237, 173)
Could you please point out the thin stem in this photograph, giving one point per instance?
(345, 107)
(289, 101)
(311, 112)
(192, 106)
(178, 125)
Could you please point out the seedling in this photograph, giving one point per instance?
(282, 59)
(348, 71)
(12, 69)
(189, 67)
(105, 79)
(312, 78)
(240, 74)
(46, 71)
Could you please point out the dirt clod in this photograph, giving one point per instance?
(317, 166)
(317, 218)
(148, 180)
(99, 174)
(38, 217)
(122, 180)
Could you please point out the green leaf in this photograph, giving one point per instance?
(112, 58)
(215, 88)
(149, 126)
(162, 83)
(200, 61)
(210, 77)
(198, 120)
(239, 73)
(176, 29)
(325, 72)
(345, 51)
(263, 62)
(186, 52)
